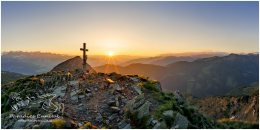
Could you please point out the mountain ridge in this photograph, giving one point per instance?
(188, 77)
(40, 62)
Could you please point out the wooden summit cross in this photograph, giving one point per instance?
(84, 56)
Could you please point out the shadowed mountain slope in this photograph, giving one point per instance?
(202, 77)
(240, 105)
(10, 76)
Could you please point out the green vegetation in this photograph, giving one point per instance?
(58, 123)
(241, 102)
(10, 76)
(168, 102)
(149, 85)
(24, 86)
(5, 106)
(141, 123)
(164, 107)
(235, 124)
(245, 90)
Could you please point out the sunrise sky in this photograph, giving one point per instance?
(130, 28)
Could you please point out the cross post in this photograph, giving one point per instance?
(84, 56)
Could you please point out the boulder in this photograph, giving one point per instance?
(149, 121)
(74, 98)
(124, 100)
(168, 117)
(89, 95)
(138, 102)
(117, 101)
(110, 81)
(81, 107)
(74, 92)
(111, 103)
(160, 125)
(154, 122)
(60, 91)
(122, 124)
(112, 117)
(34, 106)
(135, 79)
(74, 83)
(138, 106)
(45, 125)
(127, 126)
(116, 87)
(115, 109)
(80, 124)
(143, 110)
(23, 103)
(137, 89)
(168, 114)
(81, 96)
(179, 97)
(158, 85)
(36, 127)
(99, 118)
(135, 103)
(29, 124)
(88, 90)
(19, 124)
(181, 122)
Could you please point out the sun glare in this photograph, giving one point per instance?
(110, 54)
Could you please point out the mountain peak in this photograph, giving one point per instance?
(72, 64)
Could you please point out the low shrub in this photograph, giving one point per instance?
(58, 123)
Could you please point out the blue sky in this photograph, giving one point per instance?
(138, 28)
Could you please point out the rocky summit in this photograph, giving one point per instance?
(72, 64)
(59, 99)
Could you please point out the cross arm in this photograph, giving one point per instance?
(83, 49)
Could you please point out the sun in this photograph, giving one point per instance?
(110, 53)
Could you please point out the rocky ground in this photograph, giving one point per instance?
(96, 100)
(243, 108)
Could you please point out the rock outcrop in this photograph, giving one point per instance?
(96, 100)
(72, 64)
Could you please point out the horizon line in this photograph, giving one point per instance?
(187, 53)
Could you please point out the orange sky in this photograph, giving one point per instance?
(130, 28)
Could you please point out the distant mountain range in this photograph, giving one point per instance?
(166, 59)
(31, 63)
(202, 77)
(10, 76)
(40, 62)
